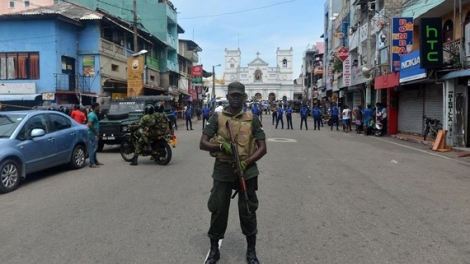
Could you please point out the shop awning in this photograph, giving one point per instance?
(387, 81)
(457, 74)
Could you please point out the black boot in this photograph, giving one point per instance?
(214, 254)
(134, 160)
(251, 250)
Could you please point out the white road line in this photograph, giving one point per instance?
(423, 151)
(220, 245)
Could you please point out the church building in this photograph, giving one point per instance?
(261, 81)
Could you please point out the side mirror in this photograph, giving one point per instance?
(37, 132)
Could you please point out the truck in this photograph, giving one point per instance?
(124, 112)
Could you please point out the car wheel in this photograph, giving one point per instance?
(78, 158)
(10, 173)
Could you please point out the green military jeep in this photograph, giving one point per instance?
(124, 112)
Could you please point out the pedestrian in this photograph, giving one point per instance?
(367, 115)
(346, 116)
(198, 112)
(205, 115)
(280, 112)
(219, 108)
(93, 135)
(359, 120)
(303, 116)
(78, 115)
(175, 114)
(188, 114)
(316, 113)
(274, 113)
(289, 111)
(251, 148)
(334, 117)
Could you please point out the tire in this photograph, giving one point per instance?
(426, 132)
(78, 158)
(100, 146)
(164, 153)
(10, 173)
(127, 149)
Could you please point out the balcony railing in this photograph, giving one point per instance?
(171, 40)
(153, 63)
(451, 54)
(112, 49)
(191, 55)
(171, 66)
(72, 82)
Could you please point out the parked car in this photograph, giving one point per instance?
(35, 140)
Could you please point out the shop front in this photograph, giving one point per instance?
(388, 83)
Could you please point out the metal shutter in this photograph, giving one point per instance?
(433, 105)
(410, 111)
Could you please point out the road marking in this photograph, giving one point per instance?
(422, 151)
(290, 140)
(220, 245)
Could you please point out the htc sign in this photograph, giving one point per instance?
(430, 35)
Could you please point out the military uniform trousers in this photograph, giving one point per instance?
(219, 205)
(144, 140)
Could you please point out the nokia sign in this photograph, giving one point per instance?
(409, 63)
(410, 67)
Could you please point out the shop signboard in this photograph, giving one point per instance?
(430, 35)
(410, 67)
(402, 40)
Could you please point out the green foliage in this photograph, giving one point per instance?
(337, 65)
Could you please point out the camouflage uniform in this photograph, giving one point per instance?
(147, 123)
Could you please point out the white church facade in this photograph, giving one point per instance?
(261, 81)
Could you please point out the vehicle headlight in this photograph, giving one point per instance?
(125, 129)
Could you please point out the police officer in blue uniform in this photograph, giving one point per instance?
(316, 117)
(205, 115)
(289, 111)
(303, 117)
(280, 112)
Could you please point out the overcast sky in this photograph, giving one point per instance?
(253, 26)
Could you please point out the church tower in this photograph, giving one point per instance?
(232, 65)
(284, 64)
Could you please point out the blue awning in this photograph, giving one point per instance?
(457, 74)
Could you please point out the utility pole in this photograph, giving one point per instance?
(134, 8)
(369, 64)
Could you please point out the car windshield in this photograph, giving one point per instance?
(126, 106)
(8, 123)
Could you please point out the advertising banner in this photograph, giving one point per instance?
(410, 67)
(430, 43)
(135, 82)
(347, 71)
(196, 71)
(402, 40)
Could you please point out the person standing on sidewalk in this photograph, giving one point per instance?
(367, 115)
(93, 134)
(289, 111)
(346, 119)
(188, 114)
(303, 117)
(274, 113)
(251, 148)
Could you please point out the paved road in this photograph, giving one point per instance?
(325, 197)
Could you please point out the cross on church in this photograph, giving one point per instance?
(257, 54)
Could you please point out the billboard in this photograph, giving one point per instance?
(402, 40)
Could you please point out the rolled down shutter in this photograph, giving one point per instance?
(433, 105)
(410, 112)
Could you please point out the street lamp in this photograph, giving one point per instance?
(213, 81)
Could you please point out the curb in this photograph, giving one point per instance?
(419, 141)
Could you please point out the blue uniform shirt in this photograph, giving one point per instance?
(205, 110)
(304, 111)
(254, 110)
(316, 111)
(189, 112)
(289, 110)
(279, 111)
(334, 111)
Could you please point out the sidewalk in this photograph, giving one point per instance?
(462, 152)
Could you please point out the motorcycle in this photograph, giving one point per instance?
(432, 126)
(159, 149)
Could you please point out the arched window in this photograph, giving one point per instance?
(284, 63)
(448, 31)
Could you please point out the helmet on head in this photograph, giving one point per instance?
(159, 107)
(149, 109)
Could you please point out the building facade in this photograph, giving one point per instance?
(262, 82)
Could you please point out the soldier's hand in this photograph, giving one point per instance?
(225, 147)
(243, 165)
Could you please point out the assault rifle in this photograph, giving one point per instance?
(237, 166)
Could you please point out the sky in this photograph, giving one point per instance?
(253, 26)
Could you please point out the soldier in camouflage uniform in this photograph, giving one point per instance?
(147, 124)
(251, 145)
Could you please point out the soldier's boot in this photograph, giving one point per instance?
(251, 250)
(214, 254)
(134, 160)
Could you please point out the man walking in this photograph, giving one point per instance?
(289, 111)
(303, 116)
(367, 116)
(274, 113)
(188, 114)
(93, 134)
(316, 113)
(251, 148)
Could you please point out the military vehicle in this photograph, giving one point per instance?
(126, 111)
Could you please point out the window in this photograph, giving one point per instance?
(19, 65)
(59, 122)
(12, 3)
(232, 65)
(284, 63)
(114, 67)
(26, 3)
(448, 31)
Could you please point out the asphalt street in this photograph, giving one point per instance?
(325, 197)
